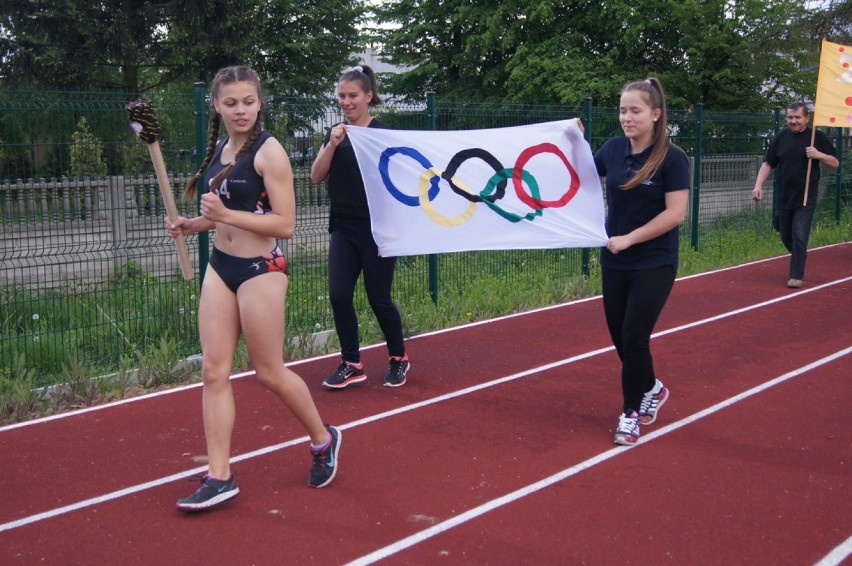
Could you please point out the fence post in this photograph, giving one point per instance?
(118, 209)
(200, 150)
(587, 134)
(696, 173)
(431, 124)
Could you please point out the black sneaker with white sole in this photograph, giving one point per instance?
(325, 463)
(347, 374)
(397, 368)
(210, 493)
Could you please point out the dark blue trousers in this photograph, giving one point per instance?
(795, 227)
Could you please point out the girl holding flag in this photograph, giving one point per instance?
(352, 249)
(647, 188)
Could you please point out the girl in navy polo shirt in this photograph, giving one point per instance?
(647, 188)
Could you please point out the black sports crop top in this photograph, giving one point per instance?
(243, 188)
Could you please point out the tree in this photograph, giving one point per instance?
(728, 54)
(62, 43)
(306, 45)
(442, 41)
(86, 153)
(834, 23)
(297, 46)
(742, 55)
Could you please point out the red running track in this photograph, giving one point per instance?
(498, 450)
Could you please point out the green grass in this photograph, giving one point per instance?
(96, 327)
(750, 237)
(94, 324)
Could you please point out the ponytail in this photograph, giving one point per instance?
(656, 99)
(367, 77)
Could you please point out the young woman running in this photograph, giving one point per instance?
(249, 201)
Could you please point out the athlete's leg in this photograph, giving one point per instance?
(785, 227)
(800, 233)
(261, 305)
(648, 291)
(378, 283)
(219, 330)
(615, 285)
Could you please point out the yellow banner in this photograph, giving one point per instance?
(833, 104)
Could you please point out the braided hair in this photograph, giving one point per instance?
(226, 75)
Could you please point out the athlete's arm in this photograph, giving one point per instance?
(322, 163)
(828, 160)
(762, 176)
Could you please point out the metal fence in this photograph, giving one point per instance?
(87, 271)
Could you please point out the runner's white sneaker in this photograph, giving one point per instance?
(627, 433)
(651, 403)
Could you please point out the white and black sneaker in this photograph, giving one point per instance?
(627, 433)
(651, 403)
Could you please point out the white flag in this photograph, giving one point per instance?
(522, 187)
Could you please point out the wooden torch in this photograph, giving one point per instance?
(143, 120)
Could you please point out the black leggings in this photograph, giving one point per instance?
(633, 301)
(351, 251)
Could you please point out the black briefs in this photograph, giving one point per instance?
(235, 271)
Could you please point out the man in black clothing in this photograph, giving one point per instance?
(789, 152)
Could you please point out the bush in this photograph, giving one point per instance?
(86, 153)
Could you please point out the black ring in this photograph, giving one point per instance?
(472, 153)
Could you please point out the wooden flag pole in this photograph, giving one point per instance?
(810, 163)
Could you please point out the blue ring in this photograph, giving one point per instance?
(384, 162)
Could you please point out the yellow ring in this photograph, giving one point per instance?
(427, 207)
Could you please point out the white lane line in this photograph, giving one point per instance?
(256, 453)
(481, 510)
(838, 555)
(379, 416)
(793, 295)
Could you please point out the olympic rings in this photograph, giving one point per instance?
(505, 174)
(525, 156)
(494, 190)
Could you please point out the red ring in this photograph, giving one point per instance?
(535, 203)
